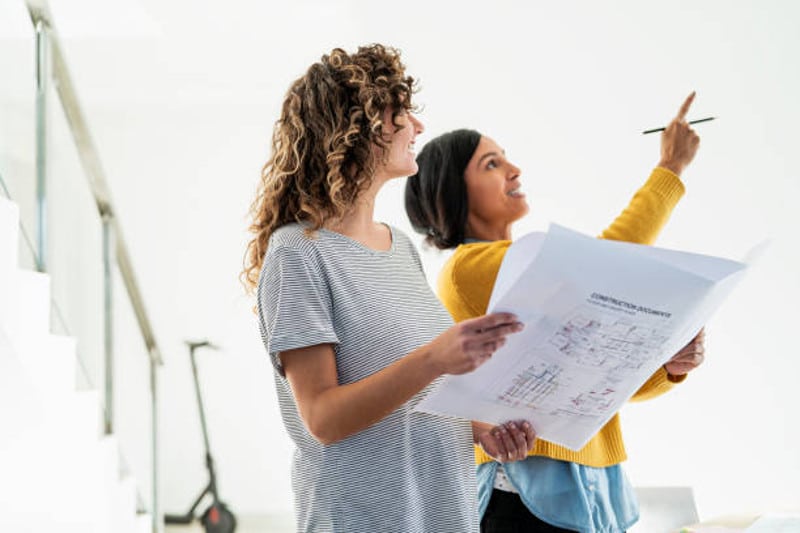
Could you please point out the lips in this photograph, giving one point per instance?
(516, 192)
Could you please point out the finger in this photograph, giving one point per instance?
(530, 434)
(500, 453)
(492, 346)
(680, 369)
(508, 444)
(680, 355)
(520, 442)
(498, 332)
(694, 344)
(684, 366)
(688, 355)
(701, 336)
(687, 358)
(688, 362)
(690, 349)
(681, 116)
(490, 321)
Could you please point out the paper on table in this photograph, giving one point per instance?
(776, 523)
(600, 318)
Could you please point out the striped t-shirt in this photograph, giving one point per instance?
(410, 472)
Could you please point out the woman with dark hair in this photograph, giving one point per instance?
(354, 333)
(466, 195)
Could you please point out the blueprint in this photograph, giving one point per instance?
(600, 318)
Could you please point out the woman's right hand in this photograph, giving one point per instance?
(468, 344)
(679, 142)
(506, 442)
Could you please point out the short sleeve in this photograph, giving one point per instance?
(294, 303)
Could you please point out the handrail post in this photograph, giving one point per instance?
(155, 508)
(51, 68)
(42, 77)
(108, 323)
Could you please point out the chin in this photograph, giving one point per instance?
(524, 210)
(411, 170)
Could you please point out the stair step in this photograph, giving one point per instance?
(123, 517)
(20, 405)
(60, 481)
(57, 471)
(25, 306)
(51, 362)
(9, 235)
(144, 523)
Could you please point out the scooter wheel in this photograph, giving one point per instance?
(218, 519)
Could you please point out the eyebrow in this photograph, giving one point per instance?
(489, 154)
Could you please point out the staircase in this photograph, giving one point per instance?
(58, 472)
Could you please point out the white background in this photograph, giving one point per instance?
(181, 96)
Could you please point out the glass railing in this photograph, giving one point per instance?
(50, 168)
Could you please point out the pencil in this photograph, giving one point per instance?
(645, 132)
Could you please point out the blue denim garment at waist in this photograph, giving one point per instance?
(567, 495)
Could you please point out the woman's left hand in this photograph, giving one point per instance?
(689, 358)
(506, 442)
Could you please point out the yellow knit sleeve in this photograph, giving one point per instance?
(648, 210)
(659, 383)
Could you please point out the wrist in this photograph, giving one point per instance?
(672, 165)
(674, 378)
(429, 364)
(479, 428)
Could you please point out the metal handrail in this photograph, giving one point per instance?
(90, 161)
(48, 42)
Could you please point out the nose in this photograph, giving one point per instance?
(513, 171)
(418, 126)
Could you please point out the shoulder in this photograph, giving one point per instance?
(466, 281)
(295, 240)
(291, 248)
(477, 258)
(293, 236)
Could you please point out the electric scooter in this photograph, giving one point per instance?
(217, 518)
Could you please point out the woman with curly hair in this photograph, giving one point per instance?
(354, 333)
(465, 196)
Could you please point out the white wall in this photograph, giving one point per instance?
(182, 115)
(567, 90)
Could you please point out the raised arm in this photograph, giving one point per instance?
(333, 412)
(650, 208)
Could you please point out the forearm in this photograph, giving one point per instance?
(648, 210)
(344, 410)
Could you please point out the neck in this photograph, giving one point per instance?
(361, 217)
(482, 230)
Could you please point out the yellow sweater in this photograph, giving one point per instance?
(466, 282)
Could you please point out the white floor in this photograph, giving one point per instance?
(246, 524)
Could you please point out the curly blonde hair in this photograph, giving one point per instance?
(323, 153)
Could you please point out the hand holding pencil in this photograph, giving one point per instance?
(679, 142)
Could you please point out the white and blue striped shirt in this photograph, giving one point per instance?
(410, 472)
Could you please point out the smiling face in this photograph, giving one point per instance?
(493, 193)
(400, 159)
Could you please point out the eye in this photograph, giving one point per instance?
(491, 164)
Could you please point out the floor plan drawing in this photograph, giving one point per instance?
(607, 340)
(531, 387)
